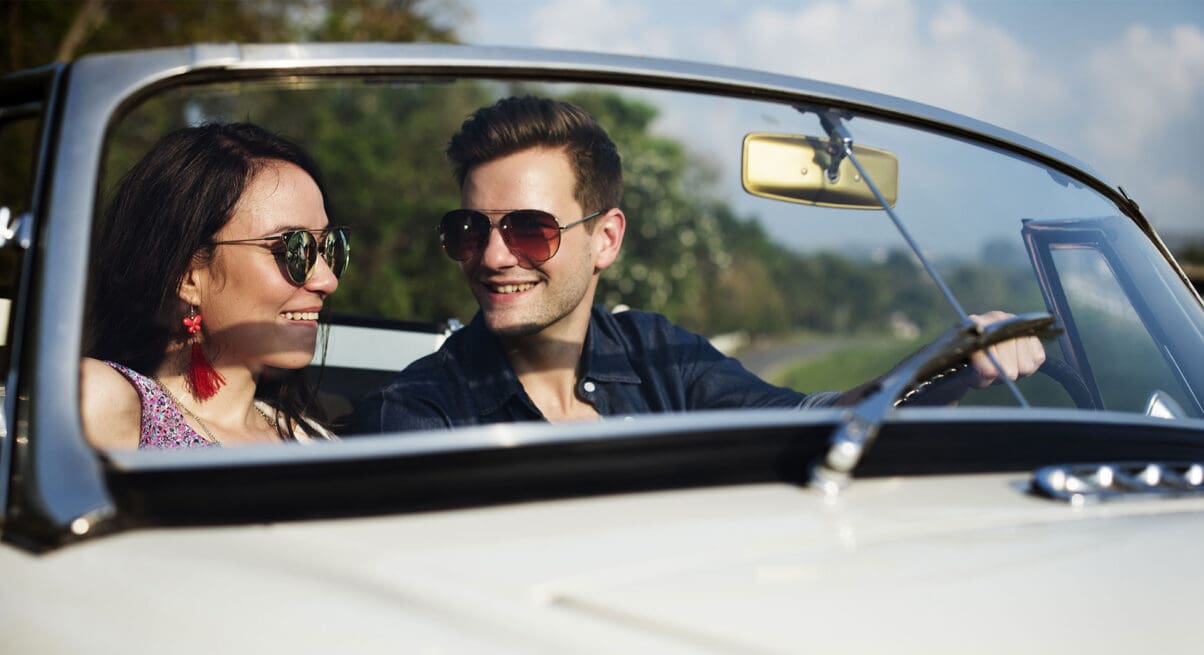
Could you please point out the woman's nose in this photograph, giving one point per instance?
(322, 279)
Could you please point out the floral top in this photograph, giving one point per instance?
(164, 425)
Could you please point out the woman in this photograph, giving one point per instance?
(212, 266)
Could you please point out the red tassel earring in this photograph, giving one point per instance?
(202, 379)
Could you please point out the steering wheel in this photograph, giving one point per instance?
(1069, 379)
(1065, 375)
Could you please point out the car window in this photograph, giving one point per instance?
(1125, 360)
(809, 297)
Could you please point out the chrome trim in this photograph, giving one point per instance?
(1079, 484)
(15, 231)
(131, 70)
(1162, 405)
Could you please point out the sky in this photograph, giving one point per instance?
(1116, 84)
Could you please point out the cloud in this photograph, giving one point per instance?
(1130, 99)
(1141, 85)
(614, 26)
(1133, 97)
(1141, 107)
(951, 59)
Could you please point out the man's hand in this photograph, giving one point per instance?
(1019, 357)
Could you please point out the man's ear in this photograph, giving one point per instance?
(608, 238)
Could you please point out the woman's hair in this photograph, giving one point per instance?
(164, 213)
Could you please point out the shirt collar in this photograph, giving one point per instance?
(607, 358)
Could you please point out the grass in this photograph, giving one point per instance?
(867, 358)
(847, 367)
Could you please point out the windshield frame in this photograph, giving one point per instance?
(101, 88)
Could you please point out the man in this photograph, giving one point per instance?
(540, 187)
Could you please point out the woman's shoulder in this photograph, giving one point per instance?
(110, 405)
(110, 378)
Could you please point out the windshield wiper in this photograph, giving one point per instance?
(861, 422)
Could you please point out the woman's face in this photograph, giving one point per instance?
(253, 314)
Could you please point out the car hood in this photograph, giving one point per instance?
(900, 564)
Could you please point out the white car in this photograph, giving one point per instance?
(1060, 514)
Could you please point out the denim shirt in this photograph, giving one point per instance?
(633, 363)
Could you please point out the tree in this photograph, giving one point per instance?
(39, 33)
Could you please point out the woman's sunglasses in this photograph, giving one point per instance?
(299, 250)
(531, 234)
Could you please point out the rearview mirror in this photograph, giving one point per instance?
(794, 168)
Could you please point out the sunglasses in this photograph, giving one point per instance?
(532, 235)
(299, 249)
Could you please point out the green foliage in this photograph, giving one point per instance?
(392, 189)
(380, 149)
(686, 254)
(40, 33)
(674, 244)
(380, 143)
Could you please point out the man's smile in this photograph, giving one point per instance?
(509, 288)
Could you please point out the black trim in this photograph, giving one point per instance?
(444, 480)
(458, 479)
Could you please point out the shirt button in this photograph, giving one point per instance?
(589, 386)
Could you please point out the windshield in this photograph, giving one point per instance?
(808, 297)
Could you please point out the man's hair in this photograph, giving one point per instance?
(515, 124)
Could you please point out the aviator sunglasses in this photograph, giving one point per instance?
(299, 250)
(531, 234)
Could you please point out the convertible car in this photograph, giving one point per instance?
(822, 235)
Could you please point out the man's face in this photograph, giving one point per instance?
(552, 299)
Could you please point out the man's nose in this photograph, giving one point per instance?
(497, 254)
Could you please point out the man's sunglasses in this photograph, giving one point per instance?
(299, 249)
(532, 235)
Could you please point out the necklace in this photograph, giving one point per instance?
(271, 421)
(208, 433)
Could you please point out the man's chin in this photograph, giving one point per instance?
(512, 330)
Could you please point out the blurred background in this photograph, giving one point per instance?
(1111, 86)
(1116, 83)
